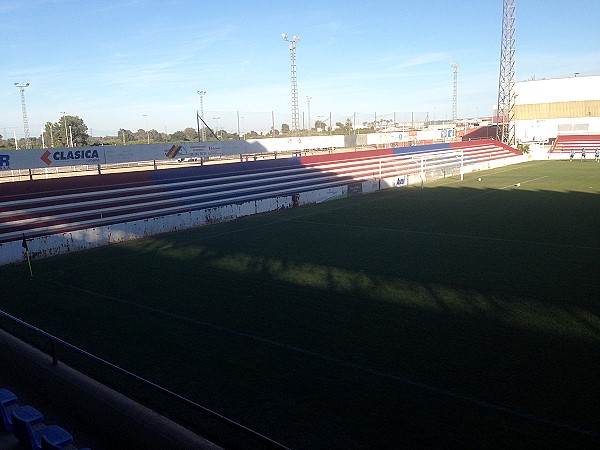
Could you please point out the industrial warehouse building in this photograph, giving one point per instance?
(547, 108)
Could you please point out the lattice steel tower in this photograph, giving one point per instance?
(295, 115)
(25, 121)
(203, 130)
(506, 85)
(454, 89)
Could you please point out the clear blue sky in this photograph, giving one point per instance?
(111, 62)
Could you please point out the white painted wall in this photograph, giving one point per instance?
(543, 129)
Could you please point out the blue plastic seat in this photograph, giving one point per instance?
(8, 403)
(29, 428)
(47, 444)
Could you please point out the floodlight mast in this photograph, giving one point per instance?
(203, 131)
(24, 109)
(295, 115)
(454, 89)
(506, 84)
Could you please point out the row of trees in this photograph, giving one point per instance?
(71, 131)
(68, 131)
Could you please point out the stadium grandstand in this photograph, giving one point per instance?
(83, 212)
(564, 144)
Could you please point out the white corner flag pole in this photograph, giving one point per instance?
(24, 245)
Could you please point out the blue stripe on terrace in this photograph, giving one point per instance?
(420, 149)
(250, 167)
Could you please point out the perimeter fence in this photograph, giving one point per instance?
(143, 388)
(261, 123)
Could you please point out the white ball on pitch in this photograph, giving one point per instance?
(478, 179)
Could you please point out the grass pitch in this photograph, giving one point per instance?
(465, 314)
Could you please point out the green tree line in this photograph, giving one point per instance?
(71, 131)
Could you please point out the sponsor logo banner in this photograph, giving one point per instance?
(78, 156)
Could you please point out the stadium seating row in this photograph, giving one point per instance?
(27, 424)
(407, 160)
(565, 143)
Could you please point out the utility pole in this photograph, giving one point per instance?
(506, 84)
(147, 130)
(308, 99)
(66, 135)
(217, 128)
(24, 109)
(295, 116)
(454, 89)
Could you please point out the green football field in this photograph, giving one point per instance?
(465, 314)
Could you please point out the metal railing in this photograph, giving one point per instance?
(54, 341)
(98, 169)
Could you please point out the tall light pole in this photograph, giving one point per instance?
(506, 85)
(203, 131)
(25, 121)
(295, 116)
(454, 89)
(66, 134)
(147, 131)
(308, 99)
(217, 128)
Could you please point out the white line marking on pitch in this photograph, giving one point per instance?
(523, 182)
